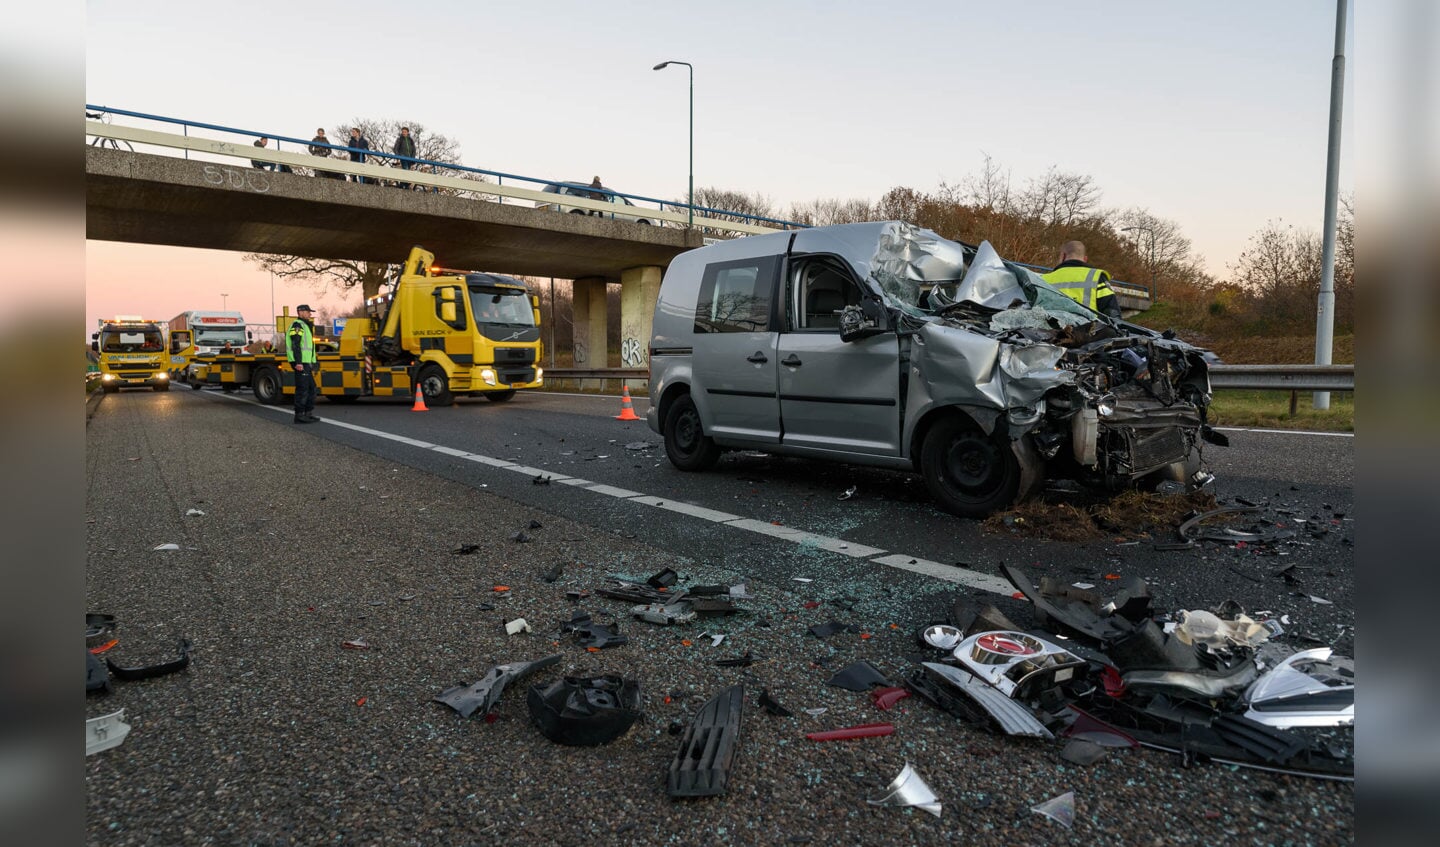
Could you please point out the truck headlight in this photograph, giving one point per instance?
(488, 376)
(539, 374)
(162, 375)
(107, 378)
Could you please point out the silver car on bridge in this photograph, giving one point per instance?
(885, 344)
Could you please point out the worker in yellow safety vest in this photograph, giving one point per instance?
(300, 352)
(1086, 285)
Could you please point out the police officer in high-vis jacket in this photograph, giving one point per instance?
(300, 352)
(1080, 282)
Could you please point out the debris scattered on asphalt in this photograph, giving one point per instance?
(865, 730)
(520, 537)
(194, 513)
(858, 676)
(104, 732)
(356, 644)
(585, 711)
(908, 789)
(771, 705)
(166, 546)
(483, 695)
(516, 627)
(466, 550)
(554, 573)
(886, 698)
(701, 767)
(849, 492)
(1058, 809)
(540, 480)
(825, 630)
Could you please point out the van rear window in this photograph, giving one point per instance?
(736, 296)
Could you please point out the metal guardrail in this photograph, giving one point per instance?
(1284, 377)
(1256, 377)
(391, 172)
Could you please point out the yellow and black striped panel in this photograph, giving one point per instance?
(343, 377)
(393, 382)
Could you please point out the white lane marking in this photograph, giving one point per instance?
(693, 511)
(601, 488)
(1286, 431)
(949, 573)
(807, 539)
(923, 567)
(534, 472)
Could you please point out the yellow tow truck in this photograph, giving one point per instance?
(450, 332)
(131, 353)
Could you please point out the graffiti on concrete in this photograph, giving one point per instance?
(632, 354)
(243, 179)
(582, 355)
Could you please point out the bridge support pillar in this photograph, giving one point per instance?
(589, 309)
(638, 289)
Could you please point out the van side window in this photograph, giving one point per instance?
(735, 296)
(820, 290)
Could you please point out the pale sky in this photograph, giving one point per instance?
(1212, 114)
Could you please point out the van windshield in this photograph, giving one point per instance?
(503, 306)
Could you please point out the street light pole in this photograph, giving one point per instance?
(272, 296)
(692, 131)
(1151, 231)
(224, 300)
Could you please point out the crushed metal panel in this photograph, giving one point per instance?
(483, 695)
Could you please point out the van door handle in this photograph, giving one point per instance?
(791, 361)
(757, 359)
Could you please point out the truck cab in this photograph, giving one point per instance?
(131, 353)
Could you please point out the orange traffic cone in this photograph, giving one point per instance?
(419, 399)
(627, 411)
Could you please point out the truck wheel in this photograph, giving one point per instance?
(436, 385)
(267, 386)
(686, 443)
(499, 396)
(969, 473)
(195, 385)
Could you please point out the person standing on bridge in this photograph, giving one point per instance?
(264, 166)
(358, 144)
(300, 353)
(1083, 283)
(318, 148)
(404, 146)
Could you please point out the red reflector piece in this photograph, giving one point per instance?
(865, 730)
(884, 698)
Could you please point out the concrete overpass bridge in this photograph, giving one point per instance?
(204, 192)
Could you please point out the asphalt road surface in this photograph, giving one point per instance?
(313, 535)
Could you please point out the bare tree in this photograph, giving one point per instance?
(736, 202)
(1280, 268)
(988, 190)
(823, 212)
(325, 275)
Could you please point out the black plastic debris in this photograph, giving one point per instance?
(663, 579)
(701, 768)
(588, 633)
(771, 705)
(520, 537)
(825, 630)
(466, 550)
(132, 674)
(858, 676)
(484, 607)
(484, 694)
(576, 596)
(97, 679)
(967, 697)
(665, 614)
(540, 480)
(553, 574)
(585, 711)
(99, 629)
(534, 525)
(972, 619)
(742, 661)
(1075, 610)
(712, 606)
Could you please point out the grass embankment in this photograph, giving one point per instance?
(1237, 346)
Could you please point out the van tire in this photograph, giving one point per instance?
(499, 396)
(970, 473)
(436, 385)
(267, 387)
(686, 443)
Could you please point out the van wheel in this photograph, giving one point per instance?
(499, 396)
(267, 386)
(969, 473)
(686, 443)
(436, 385)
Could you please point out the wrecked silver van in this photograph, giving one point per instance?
(885, 344)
